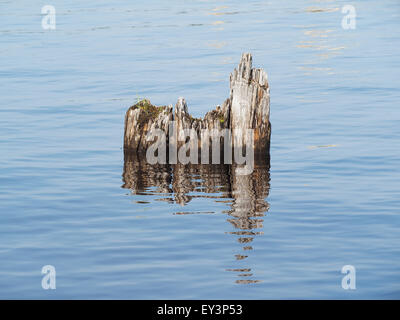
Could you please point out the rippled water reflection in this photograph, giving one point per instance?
(244, 195)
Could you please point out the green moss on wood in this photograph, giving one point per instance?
(151, 112)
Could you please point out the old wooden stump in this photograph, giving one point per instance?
(248, 107)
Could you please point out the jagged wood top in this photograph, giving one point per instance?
(246, 108)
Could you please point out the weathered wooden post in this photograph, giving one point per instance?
(248, 107)
(250, 103)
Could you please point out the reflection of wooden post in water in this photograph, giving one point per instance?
(249, 193)
(175, 182)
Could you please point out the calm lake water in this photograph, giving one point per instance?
(116, 228)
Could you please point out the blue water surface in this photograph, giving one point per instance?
(112, 230)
